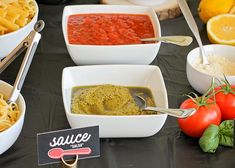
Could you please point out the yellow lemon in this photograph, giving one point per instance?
(210, 8)
(221, 29)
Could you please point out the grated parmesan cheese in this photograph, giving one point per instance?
(217, 66)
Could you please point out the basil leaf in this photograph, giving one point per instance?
(226, 133)
(209, 141)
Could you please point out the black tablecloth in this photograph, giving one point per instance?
(169, 148)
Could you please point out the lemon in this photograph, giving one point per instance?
(221, 29)
(210, 8)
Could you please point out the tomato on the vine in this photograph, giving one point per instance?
(225, 98)
(207, 113)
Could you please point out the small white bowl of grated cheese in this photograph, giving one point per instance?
(221, 62)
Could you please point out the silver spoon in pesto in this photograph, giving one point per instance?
(179, 113)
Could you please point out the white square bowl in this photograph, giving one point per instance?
(125, 75)
(112, 54)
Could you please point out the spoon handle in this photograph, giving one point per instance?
(177, 40)
(193, 26)
(179, 113)
(31, 42)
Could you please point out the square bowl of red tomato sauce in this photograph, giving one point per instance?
(110, 34)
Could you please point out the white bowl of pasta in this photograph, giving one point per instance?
(17, 19)
(11, 117)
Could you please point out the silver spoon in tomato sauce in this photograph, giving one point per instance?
(177, 40)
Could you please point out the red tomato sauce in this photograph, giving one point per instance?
(109, 29)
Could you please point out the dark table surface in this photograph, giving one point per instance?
(169, 148)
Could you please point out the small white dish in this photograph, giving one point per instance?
(167, 4)
(201, 81)
(10, 135)
(112, 54)
(125, 75)
(147, 2)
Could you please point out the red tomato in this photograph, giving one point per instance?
(225, 99)
(205, 115)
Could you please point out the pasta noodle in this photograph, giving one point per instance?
(9, 114)
(15, 14)
(2, 29)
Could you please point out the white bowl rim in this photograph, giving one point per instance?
(68, 111)
(22, 113)
(24, 27)
(119, 45)
(113, 116)
(208, 45)
(100, 5)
